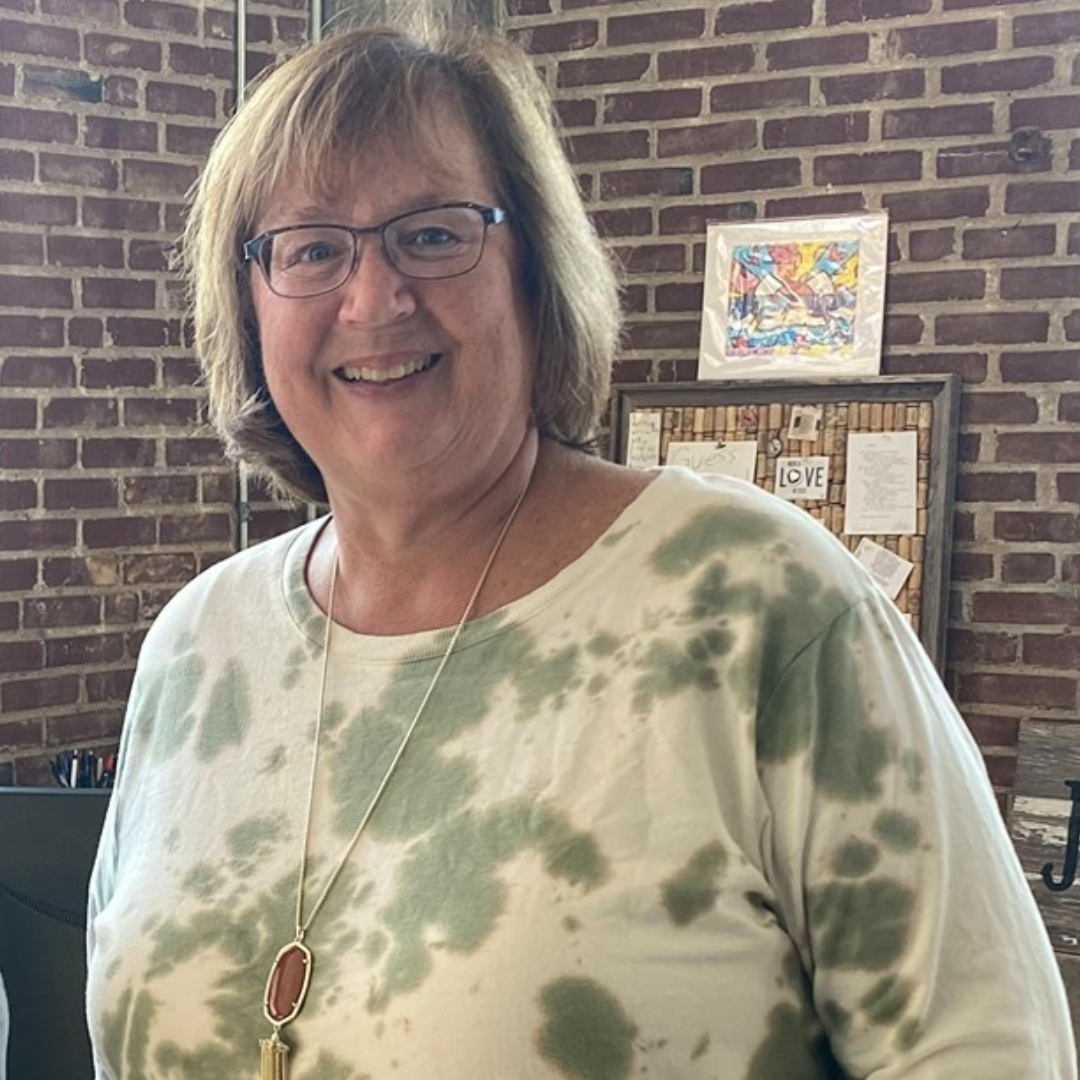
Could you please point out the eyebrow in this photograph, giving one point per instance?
(314, 213)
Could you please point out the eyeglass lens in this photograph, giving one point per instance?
(440, 242)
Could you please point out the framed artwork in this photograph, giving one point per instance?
(794, 298)
(872, 459)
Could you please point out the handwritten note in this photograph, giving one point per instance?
(643, 440)
(736, 459)
(881, 484)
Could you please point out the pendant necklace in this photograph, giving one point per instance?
(290, 973)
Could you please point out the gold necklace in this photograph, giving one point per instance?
(290, 973)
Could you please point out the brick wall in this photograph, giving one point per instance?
(676, 113)
(112, 494)
(726, 111)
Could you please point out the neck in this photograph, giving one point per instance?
(410, 564)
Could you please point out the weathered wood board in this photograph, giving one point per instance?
(1039, 823)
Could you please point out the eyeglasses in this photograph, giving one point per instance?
(438, 242)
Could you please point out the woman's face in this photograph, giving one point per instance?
(392, 377)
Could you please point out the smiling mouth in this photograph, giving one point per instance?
(387, 374)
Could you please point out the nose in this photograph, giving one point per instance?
(376, 294)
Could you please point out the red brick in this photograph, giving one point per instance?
(970, 366)
(763, 16)
(112, 685)
(80, 494)
(1043, 691)
(1020, 73)
(663, 25)
(1071, 325)
(180, 99)
(651, 105)
(18, 575)
(663, 335)
(142, 332)
(1060, 365)
(88, 649)
(191, 451)
(873, 86)
(787, 53)
(972, 566)
(86, 333)
(1027, 568)
(118, 293)
(38, 39)
(51, 611)
(608, 146)
(763, 175)
(28, 330)
(80, 412)
(85, 251)
(16, 165)
(873, 167)
(1052, 650)
(844, 11)
(1073, 243)
(102, 373)
(201, 60)
(1047, 282)
(1028, 526)
(712, 62)
(840, 202)
(760, 95)
(603, 70)
(929, 245)
(691, 220)
(37, 371)
(1050, 113)
(158, 568)
(119, 532)
(1009, 242)
(942, 285)
(635, 182)
(1039, 447)
(121, 215)
(119, 453)
(154, 15)
(902, 330)
(652, 258)
(816, 130)
(1043, 198)
(1069, 408)
(626, 372)
(18, 414)
(996, 487)
(18, 495)
(936, 38)
(47, 692)
(1068, 487)
(557, 37)
(992, 730)
(36, 291)
(990, 328)
(158, 177)
(85, 11)
(9, 616)
(968, 444)
(157, 411)
(36, 125)
(37, 535)
(939, 203)
(973, 646)
(116, 133)
(189, 141)
(682, 296)
(34, 209)
(1070, 569)
(110, 51)
(623, 221)
(196, 528)
(122, 91)
(159, 490)
(180, 371)
(926, 123)
(21, 249)
(724, 137)
(1049, 28)
(982, 407)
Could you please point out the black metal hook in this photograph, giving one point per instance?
(1072, 846)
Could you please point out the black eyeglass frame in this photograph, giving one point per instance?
(253, 249)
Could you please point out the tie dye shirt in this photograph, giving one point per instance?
(696, 809)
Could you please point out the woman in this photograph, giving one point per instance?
(519, 765)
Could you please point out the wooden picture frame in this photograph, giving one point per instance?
(728, 413)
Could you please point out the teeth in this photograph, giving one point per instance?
(384, 375)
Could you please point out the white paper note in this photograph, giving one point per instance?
(805, 422)
(643, 440)
(887, 568)
(736, 459)
(881, 484)
(802, 478)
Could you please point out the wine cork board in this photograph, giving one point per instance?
(790, 437)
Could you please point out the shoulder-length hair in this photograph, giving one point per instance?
(328, 102)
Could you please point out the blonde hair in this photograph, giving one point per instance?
(329, 101)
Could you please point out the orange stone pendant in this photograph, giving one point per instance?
(287, 986)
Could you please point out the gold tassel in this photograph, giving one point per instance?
(274, 1058)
